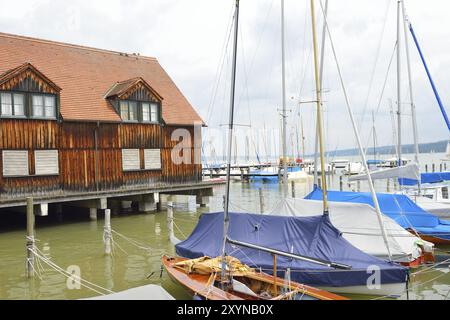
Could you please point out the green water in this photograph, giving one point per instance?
(78, 241)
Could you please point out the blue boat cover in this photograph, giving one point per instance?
(314, 237)
(431, 177)
(396, 206)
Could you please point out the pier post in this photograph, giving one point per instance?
(433, 167)
(358, 185)
(440, 167)
(293, 188)
(388, 187)
(341, 183)
(93, 214)
(445, 166)
(147, 203)
(170, 219)
(30, 238)
(426, 168)
(261, 201)
(319, 182)
(107, 232)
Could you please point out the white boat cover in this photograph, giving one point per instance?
(147, 292)
(359, 225)
(409, 171)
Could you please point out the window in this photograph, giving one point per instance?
(154, 112)
(44, 106)
(15, 163)
(131, 159)
(133, 110)
(145, 112)
(6, 104)
(19, 104)
(12, 104)
(128, 110)
(46, 162)
(152, 159)
(124, 110)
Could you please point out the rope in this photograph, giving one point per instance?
(87, 284)
(179, 230)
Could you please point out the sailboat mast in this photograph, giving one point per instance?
(374, 136)
(322, 59)
(399, 91)
(283, 114)
(226, 218)
(411, 96)
(319, 108)
(360, 147)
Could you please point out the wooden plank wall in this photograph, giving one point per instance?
(78, 156)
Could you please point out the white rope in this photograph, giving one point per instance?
(179, 230)
(57, 268)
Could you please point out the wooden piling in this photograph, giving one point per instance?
(358, 185)
(433, 167)
(293, 188)
(170, 219)
(30, 238)
(261, 201)
(107, 236)
(440, 167)
(341, 183)
(426, 168)
(388, 187)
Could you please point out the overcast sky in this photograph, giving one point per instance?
(188, 38)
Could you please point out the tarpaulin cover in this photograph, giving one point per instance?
(409, 171)
(359, 225)
(396, 206)
(313, 236)
(431, 177)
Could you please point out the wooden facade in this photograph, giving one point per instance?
(89, 153)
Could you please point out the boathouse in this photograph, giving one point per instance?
(79, 123)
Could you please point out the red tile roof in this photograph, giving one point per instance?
(86, 74)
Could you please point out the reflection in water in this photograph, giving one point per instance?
(81, 243)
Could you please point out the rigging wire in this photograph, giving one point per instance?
(377, 56)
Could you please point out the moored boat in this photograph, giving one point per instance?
(202, 277)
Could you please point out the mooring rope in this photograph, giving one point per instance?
(87, 284)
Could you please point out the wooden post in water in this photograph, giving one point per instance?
(170, 219)
(107, 236)
(319, 182)
(261, 201)
(433, 167)
(341, 183)
(440, 167)
(358, 185)
(293, 188)
(30, 238)
(388, 187)
(426, 168)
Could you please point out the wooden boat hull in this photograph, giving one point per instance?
(196, 284)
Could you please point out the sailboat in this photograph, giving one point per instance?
(329, 261)
(224, 277)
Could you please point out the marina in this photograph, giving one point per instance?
(112, 186)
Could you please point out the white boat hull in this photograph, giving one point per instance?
(394, 290)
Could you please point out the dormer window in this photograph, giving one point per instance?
(128, 110)
(26, 93)
(135, 101)
(12, 104)
(43, 106)
(149, 112)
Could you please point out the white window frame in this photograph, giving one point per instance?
(12, 105)
(44, 106)
(150, 154)
(135, 165)
(8, 167)
(46, 156)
